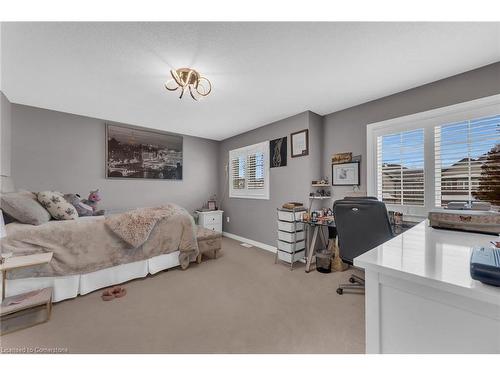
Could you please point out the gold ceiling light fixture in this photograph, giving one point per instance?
(187, 79)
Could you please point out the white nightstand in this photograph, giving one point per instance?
(210, 220)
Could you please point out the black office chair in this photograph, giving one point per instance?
(362, 224)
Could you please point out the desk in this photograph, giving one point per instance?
(420, 297)
(311, 245)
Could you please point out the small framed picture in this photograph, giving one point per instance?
(345, 174)
(212, 205)
(300, 143)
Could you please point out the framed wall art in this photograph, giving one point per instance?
(142, 154)
(278, 152)
(345, 174)
(300, 143)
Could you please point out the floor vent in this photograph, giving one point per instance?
(244, 244)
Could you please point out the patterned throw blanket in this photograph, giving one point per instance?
(134, 227)
(92, 243)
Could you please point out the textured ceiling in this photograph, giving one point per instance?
(261, 72)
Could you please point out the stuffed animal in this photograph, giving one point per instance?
(93, 200)
(80, 207)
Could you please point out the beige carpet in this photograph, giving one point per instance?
(240, 302)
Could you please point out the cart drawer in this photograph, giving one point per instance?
(290, 226)
(289, 216)
(291, 237)
(289, 247)
(287, 257)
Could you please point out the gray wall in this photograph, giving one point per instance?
(345, 131)
(59, 151)
(5, 135)
(256, 219)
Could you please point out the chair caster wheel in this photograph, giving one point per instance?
(351, 280)
(340, 291)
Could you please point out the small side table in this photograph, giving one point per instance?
(210, 219)
(16, 305)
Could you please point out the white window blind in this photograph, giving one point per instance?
(400, 168)
(249, 172)
(467, 158)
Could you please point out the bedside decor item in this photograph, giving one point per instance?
(187, 79)
(278, 152)
(146, 154)
(345, 174)
(58, 207)
(343, 157)
(300, 143)
(212, 205)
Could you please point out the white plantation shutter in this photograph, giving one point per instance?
(249, 172)
(467, 160)
(255, 163)
(238, 165)
(400, 168)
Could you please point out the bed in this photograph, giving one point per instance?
(89, 255)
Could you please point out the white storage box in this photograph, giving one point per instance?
(289, 247)
(290, 226)
(289, 215)
(290, 237)
(287, 257)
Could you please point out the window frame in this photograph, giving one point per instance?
(427, 120)
(245, 151)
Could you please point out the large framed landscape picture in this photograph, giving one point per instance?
(144, 154)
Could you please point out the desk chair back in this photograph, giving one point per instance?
(362, 224)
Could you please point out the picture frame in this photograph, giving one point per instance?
(342, 157)
(278, 152)
(346, 174)
(212, 205)
(299, 142)
(133, 152)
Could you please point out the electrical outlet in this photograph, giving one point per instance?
(227, 219)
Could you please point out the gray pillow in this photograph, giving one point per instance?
(24, 208)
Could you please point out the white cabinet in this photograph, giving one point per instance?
(210, 220)
(291, 236)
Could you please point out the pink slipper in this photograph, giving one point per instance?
(107, 295)
(119, 291)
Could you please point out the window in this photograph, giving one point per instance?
(426, 160)
(400, 168)
(467, 156)
(249, 172)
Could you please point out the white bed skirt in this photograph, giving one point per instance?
(70, 286)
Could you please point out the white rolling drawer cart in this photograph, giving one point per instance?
(291, 236)
(210, 220)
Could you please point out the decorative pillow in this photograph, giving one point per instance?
(58, 207)
(24, 208)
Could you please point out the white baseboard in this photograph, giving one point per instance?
(251, 242)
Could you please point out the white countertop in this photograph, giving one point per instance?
(433, 257)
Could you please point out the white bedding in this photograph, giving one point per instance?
(66, 287)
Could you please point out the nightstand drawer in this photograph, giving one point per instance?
(212, 219)
(214, 227)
